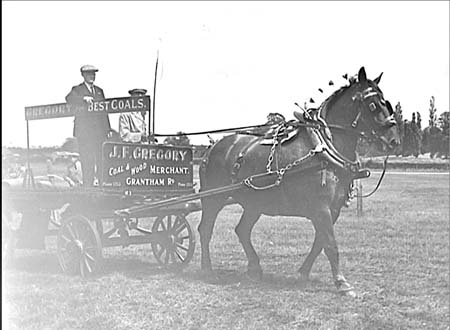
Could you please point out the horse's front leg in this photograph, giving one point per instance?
(316, 248)
(244, 231)
(210, 209)
(323, 223)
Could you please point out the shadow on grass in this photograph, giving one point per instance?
(46, 263)
(269, 281)
(133, 268)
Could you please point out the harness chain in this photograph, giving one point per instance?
(273, 148)
(280, 172)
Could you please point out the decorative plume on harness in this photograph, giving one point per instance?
(319, 96)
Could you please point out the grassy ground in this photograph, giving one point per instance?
(396, 255)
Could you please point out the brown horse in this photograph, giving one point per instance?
(308, 175)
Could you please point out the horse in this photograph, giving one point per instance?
(309, 174)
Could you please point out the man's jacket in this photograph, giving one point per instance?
(88, 126)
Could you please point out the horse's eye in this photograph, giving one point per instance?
(372, 106)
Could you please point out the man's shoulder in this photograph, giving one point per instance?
(98, 88)
(79, 86)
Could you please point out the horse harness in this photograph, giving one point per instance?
(320, 133)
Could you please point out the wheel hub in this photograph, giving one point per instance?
(76, 247)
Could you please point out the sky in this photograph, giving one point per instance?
(221, 64)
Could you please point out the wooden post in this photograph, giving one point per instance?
(359, 200)
(28, 180)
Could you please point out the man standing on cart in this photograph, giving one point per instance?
(90, 129)
(133, 126)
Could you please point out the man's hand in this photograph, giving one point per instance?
(88, 99)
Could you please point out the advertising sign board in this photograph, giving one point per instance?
(149, 167)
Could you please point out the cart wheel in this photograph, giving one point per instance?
(177, 244)
(79, 246)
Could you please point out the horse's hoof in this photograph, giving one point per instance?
(349, 293)
(346, 289)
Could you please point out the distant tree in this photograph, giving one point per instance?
(181, 139)
(444, 124)
(398, 115)
(419, 121)
(436, 138)
(432, 113)
(411, 138)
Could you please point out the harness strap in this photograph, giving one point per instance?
(238, 161)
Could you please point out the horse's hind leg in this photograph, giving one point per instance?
(323, 223)
(210, 209)
(244, 231)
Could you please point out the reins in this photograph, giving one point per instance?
(380, 179)
(234, 129)
(240, 129)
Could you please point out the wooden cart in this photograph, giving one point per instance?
(140, 181)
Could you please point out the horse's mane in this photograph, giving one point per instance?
(330, 100)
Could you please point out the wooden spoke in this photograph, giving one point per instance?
(88, 256)
(159, 253)
(86, 263)
(65, 238)
(179, 256)
(75, 231)
(180, 228)
(182, 247)
(166, 260)
(163, 226)
(71, 233)
(169, 222)
(173, 257)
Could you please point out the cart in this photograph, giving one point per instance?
(151, 181)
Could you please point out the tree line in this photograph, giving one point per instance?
(415, 140)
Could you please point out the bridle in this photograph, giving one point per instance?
(387, 122)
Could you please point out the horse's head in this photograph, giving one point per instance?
(373, 115)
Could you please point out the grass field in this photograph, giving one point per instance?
(396, 255)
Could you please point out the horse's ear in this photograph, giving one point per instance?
(377, 80)
(362, 75)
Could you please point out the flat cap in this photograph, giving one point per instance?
(137, 91)
(88, 68)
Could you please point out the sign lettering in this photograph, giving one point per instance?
(113, 105)
(147, 167)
